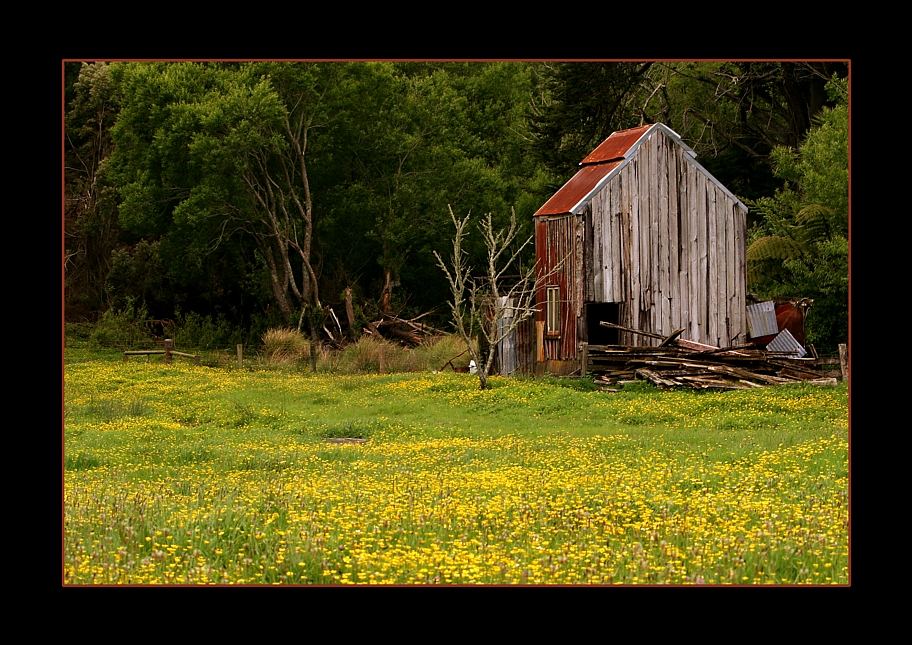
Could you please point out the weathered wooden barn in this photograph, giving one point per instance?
(641, 236)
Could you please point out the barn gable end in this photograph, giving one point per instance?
(647, 238)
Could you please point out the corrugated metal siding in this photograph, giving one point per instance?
(558, 242)
(524, 345)
(516, 352)
(761, 319)
(785, 342)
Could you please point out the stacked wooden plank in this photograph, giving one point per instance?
(717, 368)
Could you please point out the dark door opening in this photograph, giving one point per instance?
(595, 313)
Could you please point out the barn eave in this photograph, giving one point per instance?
(613, 155)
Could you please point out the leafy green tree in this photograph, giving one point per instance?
(190, 257)
(250, 190)
(800, 247)
(210, 154)
(409, 139)
(577, 105)
(732, 113)
(90, 214)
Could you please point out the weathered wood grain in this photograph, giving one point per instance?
(712, 267)
(665, 243)
(674, 311)
(683, 241)
(633, 312)
(696, 332)
(663, 215)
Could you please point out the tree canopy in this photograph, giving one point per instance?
(800, 246)
(256, 192)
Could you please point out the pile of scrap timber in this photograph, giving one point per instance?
(409, 333)
(681, 363)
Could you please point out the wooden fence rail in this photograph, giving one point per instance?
(168, 351)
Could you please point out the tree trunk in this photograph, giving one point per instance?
(353, 332)
(314, 339)
(386, 296)
(278, 289)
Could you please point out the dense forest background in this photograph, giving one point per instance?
(233, 197)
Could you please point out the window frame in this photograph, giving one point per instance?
(552, 310)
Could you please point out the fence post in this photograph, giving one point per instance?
(240, 354)
(584, 358)
(169, 345)
(844, 360)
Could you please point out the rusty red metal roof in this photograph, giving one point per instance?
(576, 188)
(616, 145)
(606, 157)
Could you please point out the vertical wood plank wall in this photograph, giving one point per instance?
(666, 243)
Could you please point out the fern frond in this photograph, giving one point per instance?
(814, 222)
(773, 247)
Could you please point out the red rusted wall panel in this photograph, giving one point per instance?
(556, 245)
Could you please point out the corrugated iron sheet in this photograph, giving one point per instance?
(516, 352)
(785, 342)
(761, 319)
(616, 145)
(525, 346)
(575, 189)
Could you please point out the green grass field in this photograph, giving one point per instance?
(180, 474)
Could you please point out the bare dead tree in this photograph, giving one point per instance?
(479, 303)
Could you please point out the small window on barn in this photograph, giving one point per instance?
(553, 311)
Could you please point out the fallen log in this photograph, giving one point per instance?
(407, 332)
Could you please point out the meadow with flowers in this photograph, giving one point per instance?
(186, 474)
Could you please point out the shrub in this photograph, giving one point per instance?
(284, 345)
(365, 355)
(205, 332)
(436, 351)
(121, 328)
(78, 335)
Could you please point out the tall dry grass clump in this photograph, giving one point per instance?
(372, 355)
(284, 345)
(367, 355)
(436, 351)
